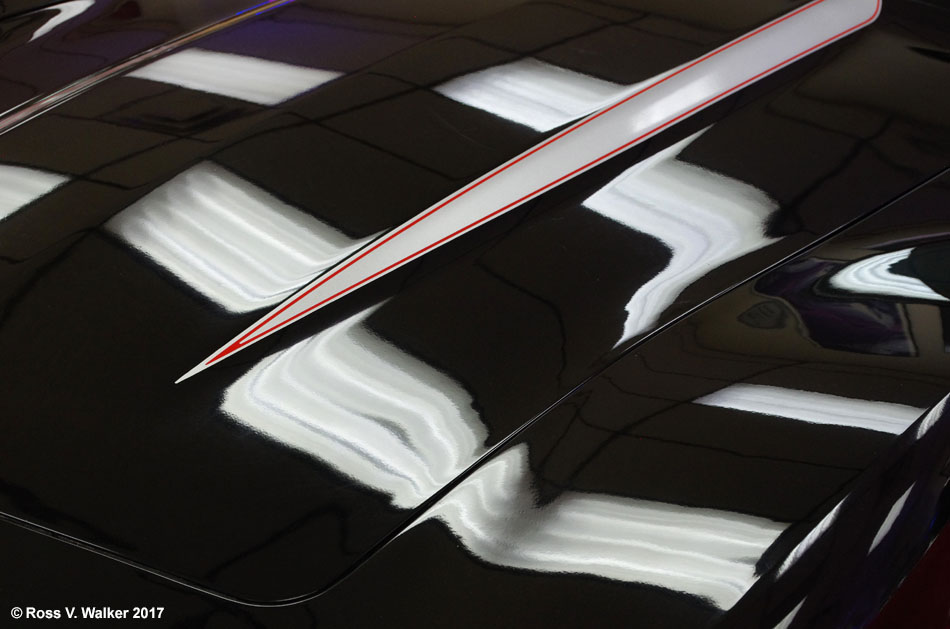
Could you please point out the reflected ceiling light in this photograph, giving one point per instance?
(532, 93)
(21, 186)
(786, 622)
(930, 420)
(377, 415)
(246, 78)
(889, 520)
(703, 552)
(232, 242)
(873, 276)
(65, 11)
(809, 540)
(815, 408)
(703, 218)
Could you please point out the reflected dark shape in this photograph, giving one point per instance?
(841, 321)
(768, 315)
(930, 264)
(864, 295)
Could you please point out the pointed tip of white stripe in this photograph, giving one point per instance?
(629, 121)
(195, 370)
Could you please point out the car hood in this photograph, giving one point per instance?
(158, 212)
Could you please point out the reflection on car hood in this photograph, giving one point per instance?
(163, 212)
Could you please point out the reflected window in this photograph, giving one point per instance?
(703, 218)
(932, 417)
(877, 276)
(786, 622)
(532, 93)
(890, 519)
(815, 408)
(852, 324)
(229, 240)
(246, 78)
(64, 11)
(708, 553)
(21, 186)
(372, 412)
(802, 548)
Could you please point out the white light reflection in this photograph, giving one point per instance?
(228, 239)
(815, 408)
(65, 11)
(533, 93)
(21, 186)
(705, 219)
(890, 519)
(786, 622)
(377, 415)
(809, 540)
(930, 420)
(246, 78)
(703, 552)
(873, 276)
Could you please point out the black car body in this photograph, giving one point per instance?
(699, 380)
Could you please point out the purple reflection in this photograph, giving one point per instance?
(862, 325)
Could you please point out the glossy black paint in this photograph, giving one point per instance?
(636, 430)
(100, 445)
(46, 46)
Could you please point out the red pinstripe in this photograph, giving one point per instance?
(253, 334)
